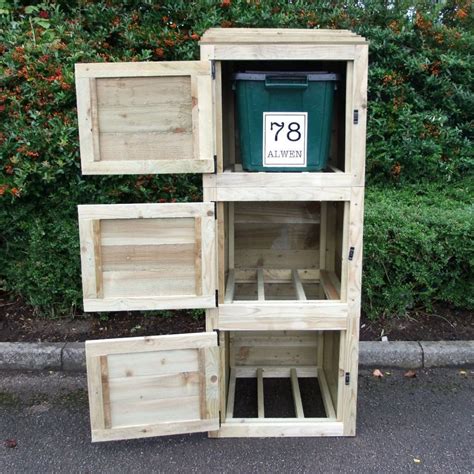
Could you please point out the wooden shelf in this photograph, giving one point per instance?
(246, 186)
(298, 279)
(291, 426)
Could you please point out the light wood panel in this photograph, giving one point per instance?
(275, 52)
(142, 387)
(143, 118)
(275, 349)
(150, 256)
(269, 316)
(278, 35)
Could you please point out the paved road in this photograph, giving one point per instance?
(429, 418)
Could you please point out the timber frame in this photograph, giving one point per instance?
(274, 259)
(337, 310)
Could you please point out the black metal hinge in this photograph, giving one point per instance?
(213, 69)
(217, 298)
(215, 164)
(348, 378)
(356, 116)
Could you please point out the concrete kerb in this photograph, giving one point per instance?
(70, 357)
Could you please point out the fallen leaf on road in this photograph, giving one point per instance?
(417, 461)
(463, 373)
(377, 373)
(410, 374)
(10, 443)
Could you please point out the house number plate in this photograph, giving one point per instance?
(285, 139)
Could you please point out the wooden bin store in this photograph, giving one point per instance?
(274, 258)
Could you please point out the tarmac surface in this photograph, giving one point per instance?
(421, 424)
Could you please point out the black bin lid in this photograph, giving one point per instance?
(262, 75)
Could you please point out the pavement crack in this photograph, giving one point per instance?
(62, 356)
(422, 355)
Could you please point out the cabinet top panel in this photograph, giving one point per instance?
(279, 35)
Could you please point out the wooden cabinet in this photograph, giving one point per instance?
(274, 258)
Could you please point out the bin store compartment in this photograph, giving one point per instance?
(284, 119)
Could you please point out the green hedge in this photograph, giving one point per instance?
(419, 132)
(418, 250)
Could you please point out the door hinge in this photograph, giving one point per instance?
(213, 69)
(348, 378)
(351, 253)
(215, 164)
(217, 298)
(356, 116)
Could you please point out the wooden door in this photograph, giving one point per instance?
(148, 256)
(145, 118)
(151, 386)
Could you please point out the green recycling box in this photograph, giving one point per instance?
(284, 119)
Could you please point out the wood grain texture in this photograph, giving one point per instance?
(149, 256)
(215, 36)
(153, 386)
(260, 394)
(270, 316)
(142, 118)
(295, 389)
(274, 52)
(280, 429)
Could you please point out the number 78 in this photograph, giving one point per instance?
(293, 128)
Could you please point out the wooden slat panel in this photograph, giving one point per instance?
(298, 286)
(104, 372)
(198, 256)
(149, 256)
(269, 316)
(245, 371)
(137, 413)
(280, 429)
(274, 52)
(90, 268)
(276, 275)
(137, 284)
(326, 395)
(242, 180)
(276, 236)
(277, 349)
(142, 118)
(295, 388)
(150, 344)
(279, 36)
(260, 284)
(145, 211)
(277, 213)
(331, 285)
(211, 382)
(231, 395)
(230, 288)
(143, 303)
(157, 363)
(142, 69)
(131, 149)
(95, 391)
(269, 258)
(147, 231)
(153, 386)
(260, 394)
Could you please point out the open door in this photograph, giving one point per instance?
(148, 256)
(151, 386)
(145, 118)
